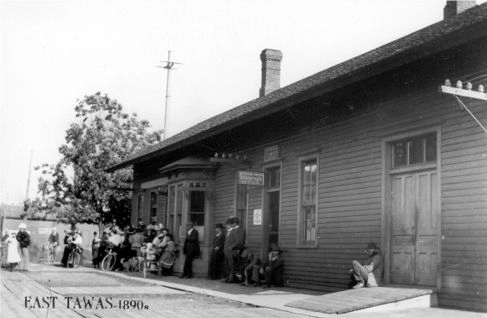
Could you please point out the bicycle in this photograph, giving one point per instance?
(109, 261)
(74, 257)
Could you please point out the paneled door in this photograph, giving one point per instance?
(414, 233)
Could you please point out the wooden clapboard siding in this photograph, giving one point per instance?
(224, 193)
(350, 197)
(464, 212)
(351, 189)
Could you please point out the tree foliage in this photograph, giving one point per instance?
(78, 187)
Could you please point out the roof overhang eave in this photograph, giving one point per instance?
(361, 73)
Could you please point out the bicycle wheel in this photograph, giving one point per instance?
(70, 259)
(108, 262)
(76, 259)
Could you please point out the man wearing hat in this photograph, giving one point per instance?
(24, 241)
(217, 257)
(370, 274)
(234, 244)
(273, 268)
(191, 249)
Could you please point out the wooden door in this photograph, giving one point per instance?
(271, 217)
(414, 233)
(274, 218)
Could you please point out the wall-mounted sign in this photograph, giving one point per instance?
(271, 153)
(258, 217)
(251, 178)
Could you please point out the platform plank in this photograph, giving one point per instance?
(121, 290)
(356, 299)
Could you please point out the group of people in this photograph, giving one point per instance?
(73, 241)
(17, 248)
(153, 242)
(233, 263)
(230, 261)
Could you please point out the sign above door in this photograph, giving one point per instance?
(251, 178)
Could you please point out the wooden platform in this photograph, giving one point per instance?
(119, 290)
(358, 299)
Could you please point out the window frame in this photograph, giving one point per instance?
(301, 242)
(203, 213)
(424, 151)
(426, 165)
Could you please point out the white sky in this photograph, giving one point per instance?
(55, 52)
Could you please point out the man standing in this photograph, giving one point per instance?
(53, 243)
(24, 241)
(234, 244)
(95, 249)
(217, 255)
(191, 250)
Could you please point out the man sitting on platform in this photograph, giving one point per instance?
(273, 268)
(370, 274)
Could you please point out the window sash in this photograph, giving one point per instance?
(413, 151)
(308, 197)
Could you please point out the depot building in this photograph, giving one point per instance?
(375, 149)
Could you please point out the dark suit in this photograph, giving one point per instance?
(191, 250)
(274, 271)
(217, 256)
(234, 243)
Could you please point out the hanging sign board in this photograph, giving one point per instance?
(258, 217)
(251, 178)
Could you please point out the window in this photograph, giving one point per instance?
(153, 205)
(241, 203)
(170, 204)
(197, 207)
(273, 176)
(414, 151)
(179, 211)
(308, 199)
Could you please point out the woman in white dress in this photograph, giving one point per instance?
(13, 257)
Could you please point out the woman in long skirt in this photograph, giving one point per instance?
(13, 257)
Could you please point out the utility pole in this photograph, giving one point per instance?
(169, 66)
(28, 175)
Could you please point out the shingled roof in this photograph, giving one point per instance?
(466, 26)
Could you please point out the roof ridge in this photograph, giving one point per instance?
(378, 55)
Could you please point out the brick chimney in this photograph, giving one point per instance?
(271, 71)
(454, 7)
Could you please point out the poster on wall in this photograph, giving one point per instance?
(258, 217)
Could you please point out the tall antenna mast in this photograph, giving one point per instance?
(28, 175)
(169, 66)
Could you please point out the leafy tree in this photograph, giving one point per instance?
(77, 188)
